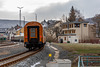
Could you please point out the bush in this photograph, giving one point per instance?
(68, 41)
(49, 41)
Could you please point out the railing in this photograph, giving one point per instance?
(88, 61)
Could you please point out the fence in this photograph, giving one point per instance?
(90, 41)
(89, 61)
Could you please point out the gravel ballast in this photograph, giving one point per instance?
(40, 59)
(64, 54)
(9, 51)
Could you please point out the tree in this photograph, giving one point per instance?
(72, 16)
(97, 20)
(52, 32)
(78, 14)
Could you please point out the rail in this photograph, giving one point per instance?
(18, 57)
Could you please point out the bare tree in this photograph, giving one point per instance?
(97, 20)
(78, 14)
(54, 31)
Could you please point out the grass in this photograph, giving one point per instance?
(81, 48)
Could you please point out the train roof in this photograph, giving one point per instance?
(33, 23)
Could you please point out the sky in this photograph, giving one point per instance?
(46, 9)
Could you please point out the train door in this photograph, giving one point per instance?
(33, 34)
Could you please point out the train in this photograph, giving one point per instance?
(34, 36)
(17, 38)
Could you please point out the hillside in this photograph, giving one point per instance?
(9, 23)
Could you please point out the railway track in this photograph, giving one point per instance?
(8, 44)
(18, 57)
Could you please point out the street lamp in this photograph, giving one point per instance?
(20, 15)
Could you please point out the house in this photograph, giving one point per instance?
(11, 32)
(77, 31)
(20, 32)
(3, 32)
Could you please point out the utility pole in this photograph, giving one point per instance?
(20, 19)
(24, 20)
(36, 17)
(20, 15)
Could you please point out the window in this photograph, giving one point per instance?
(72, 25)
(77, 25)
(65, 31)
(69, 31)
(64, 38)
(69, 36)
(73, 31)
(69, 25)
(66, 26)
(75, 40)
(85, 25)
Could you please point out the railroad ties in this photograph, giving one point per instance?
(18, 57)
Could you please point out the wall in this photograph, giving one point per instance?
(69, 38)
(81, 32)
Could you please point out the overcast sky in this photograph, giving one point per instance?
(47, 9)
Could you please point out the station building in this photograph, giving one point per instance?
(77, 31)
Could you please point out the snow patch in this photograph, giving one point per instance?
(35, 64)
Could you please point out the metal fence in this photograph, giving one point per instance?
(89, 61)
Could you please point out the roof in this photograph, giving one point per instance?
(67, 35)
(75, 22)
(80, 22)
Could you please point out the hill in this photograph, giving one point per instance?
(9, 23)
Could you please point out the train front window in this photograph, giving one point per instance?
(33, 31)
